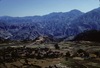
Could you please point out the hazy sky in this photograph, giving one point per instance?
(42, 7)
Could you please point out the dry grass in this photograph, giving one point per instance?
(65, 46)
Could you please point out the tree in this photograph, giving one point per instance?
(56, 46)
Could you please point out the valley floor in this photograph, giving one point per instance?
(83, 54)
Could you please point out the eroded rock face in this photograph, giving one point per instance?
(5, 34)
(30, 27)
(58, 25)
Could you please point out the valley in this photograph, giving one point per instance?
(56, 40)
(70, 54)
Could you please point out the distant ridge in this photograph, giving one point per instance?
(56, 25)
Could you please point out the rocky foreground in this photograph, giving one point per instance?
(82, 54)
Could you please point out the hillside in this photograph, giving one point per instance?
(88, 21)
(31, 27)
(92, 35)
(59, 25)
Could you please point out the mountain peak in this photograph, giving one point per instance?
(75, 10)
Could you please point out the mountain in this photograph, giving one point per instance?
(30, 27)
(87, 21)
(56, 25)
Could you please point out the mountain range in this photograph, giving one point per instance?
(55, 25)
